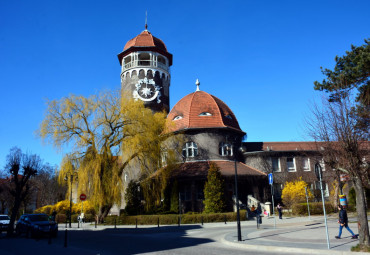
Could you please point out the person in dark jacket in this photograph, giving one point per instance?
(343, 222)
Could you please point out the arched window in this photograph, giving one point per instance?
(225, 149)
(190, 150)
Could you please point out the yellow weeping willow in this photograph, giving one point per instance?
(100, 128)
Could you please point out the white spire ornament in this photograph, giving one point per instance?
(197, 83)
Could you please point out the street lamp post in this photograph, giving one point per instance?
(237, 200)
(70, 177)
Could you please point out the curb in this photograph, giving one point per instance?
(274, 249)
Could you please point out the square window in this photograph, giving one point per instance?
(306, 164)
(290, 163)
(275, 163)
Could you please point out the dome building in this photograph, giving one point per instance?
(211, 134)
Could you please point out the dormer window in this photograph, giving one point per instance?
(229, 116)
(205, 114)
(178, 117)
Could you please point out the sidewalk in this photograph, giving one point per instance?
(297, 235)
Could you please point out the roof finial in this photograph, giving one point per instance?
(197, 83)
(146, 20)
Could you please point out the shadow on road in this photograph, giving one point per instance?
(107, 241)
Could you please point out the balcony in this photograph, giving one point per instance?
(145, 63)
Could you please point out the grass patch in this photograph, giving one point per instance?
(360, 248)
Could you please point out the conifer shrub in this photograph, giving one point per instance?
(214, 197)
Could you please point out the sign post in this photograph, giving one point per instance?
(318, 172)
(271, 182)
(82, 198)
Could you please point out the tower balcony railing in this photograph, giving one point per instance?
(145, 63)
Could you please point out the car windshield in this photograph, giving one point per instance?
(39, 218)
(4, 217)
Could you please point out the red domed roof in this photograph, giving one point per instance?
(201, 110)
(145, 39)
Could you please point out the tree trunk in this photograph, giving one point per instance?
(15, 210)
(103, 212)
(363, 227)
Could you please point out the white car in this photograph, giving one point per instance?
(4, 222)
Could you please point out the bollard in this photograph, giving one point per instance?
(202, 220)
(65, 238)
(78, 224)
(225, 218)
(136, 222)
(66, 223)
(158, 221)
(115, 222)
(96, 223)
(179, 221)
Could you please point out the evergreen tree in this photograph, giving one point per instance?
(132, 197)
(175, 197)
(214, 198)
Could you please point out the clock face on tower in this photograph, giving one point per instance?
(147, 90)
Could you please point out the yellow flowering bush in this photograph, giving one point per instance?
(47, 209)
(294, 192)
(63, 207)
(88, 207)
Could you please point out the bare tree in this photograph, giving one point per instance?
(344, 148)
(21, 167)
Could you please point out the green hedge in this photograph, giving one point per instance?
(62, 218)
(315, 208)
(170, 219)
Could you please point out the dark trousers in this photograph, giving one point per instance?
(280, 214)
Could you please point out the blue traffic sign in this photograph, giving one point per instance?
(271, 181)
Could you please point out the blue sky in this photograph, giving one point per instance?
(260, 57)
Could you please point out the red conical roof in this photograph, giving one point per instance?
(145, 39)
(201, 110)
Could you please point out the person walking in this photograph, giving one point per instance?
(280, 210)
(343, 222)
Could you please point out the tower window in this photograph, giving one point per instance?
(190, 150)
(225, 149)
(144, 59)
(205, 114)
(161, 60)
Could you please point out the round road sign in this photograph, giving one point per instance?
(82, 197)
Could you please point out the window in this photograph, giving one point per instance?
(322, 164)
(306, 164)
(324, 187)
(205, 114)
(290, 164)
(178, 117)
(190, 150)
(225, 149)
(164, 156)
(275, 164)
(229, 117)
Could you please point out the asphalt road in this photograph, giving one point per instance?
(163, 240)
